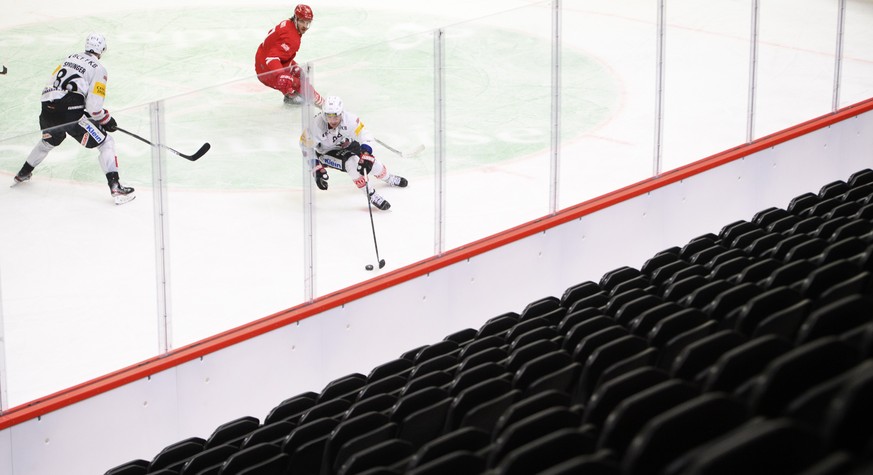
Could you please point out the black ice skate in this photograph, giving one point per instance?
(395, 180)
(378, 201)
(121, 194)
(293, 100)
(20, 179)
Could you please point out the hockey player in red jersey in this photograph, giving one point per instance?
(274, 61)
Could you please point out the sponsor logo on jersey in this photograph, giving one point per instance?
(332, 162)
(359, 128)
(285, 47)
(99, 89)
(92, 130)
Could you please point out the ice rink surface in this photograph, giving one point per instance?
(79, 292)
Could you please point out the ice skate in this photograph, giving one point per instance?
(20, 179)
(293, 100)
(395, 180)
(122, 194)
(378, 201)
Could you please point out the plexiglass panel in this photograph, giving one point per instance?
(795, 62)
(74, 267)
(857, 64)
(234, 228)
(607, 97)
(498, 89)
(707, 56)
(389, 87)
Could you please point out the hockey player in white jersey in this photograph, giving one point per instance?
(338, 139)
(72, 104)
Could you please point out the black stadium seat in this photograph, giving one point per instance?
(749, 350)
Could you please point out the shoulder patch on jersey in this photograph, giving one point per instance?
(285, 47)
(99, 89)
(359, 127)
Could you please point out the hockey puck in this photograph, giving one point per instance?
(369, 267)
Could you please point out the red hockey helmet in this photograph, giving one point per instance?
(303, 12)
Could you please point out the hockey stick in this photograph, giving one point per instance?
(4, 70)
(203, 149)
(372, 226)
(410, 154)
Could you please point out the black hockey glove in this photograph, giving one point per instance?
(365, 164)
(110, 126)
(321, 177)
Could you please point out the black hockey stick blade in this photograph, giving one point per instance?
(203, 149)
(4, 70)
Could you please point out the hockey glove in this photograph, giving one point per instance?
(111, 125)
(365, 164)
(288, 84)
(321, 177)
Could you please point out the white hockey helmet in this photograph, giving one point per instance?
(96, 43)
(333, 105)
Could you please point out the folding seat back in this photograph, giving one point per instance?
(275, 465)
(306, 433)
(529, 405)
(538, 367)
(469, 398)
(546, 451)
(634, 308)
(848, 422)
(699, 355)
(759, 446)
(578, 291)
(605, 356)
(249, 457)
(385, 385)
(631, 414)
(540, 307)
(425, 424)
(617, 276)
(585, 328)
(680, 429)
(414, 401)
(441, 348)
(434, 379)
(176, 452)
(741, 363)
(292, 408)
(464, 438)
(390, 368)
(498, 325)
(346, 431)
(333, 408)
(574, 318)
(747, 317)
(378, 403)
(797, 370)
(531, 428)
(644, 322)
(460, 462)
(705, 294)
(386, 453)
(613, 392)
(133, 467)
(232, 432)
(342, 387)
(470, 376)
(270, 433)
(836, 317)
